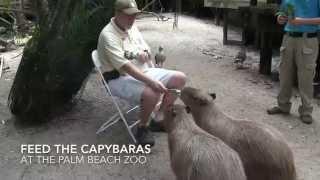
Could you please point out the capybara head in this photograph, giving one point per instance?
(174, 114)
(195, 98)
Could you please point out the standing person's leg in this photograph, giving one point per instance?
(306, 63)
(287, 73)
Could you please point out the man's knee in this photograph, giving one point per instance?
(178, 80)
(150, 95)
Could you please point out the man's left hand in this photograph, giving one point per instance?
(144, 56)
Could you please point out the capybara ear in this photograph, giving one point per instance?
(188, 109)
(213, 95)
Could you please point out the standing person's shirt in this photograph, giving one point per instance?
(303, 9)
(112, 44)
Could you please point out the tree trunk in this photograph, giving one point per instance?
(21, 20)
(57, 58)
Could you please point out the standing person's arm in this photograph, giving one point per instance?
(305, 21)
(282, 18)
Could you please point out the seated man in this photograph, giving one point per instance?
(128, 69)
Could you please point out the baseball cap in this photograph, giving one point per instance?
(127, 6)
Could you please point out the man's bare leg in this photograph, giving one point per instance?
(176, 82)
(149, 100)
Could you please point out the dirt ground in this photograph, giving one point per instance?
(196, 49)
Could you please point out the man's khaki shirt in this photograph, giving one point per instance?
(112, 44)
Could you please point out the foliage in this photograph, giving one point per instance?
(57, 58)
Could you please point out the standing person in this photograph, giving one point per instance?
(298, 52)
(129, 71)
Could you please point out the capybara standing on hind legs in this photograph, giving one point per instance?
(263, 150)
(196, 154)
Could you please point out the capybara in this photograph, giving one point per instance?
(196, 154)
(263, 150)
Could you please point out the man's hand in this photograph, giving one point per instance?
(144, 56)
(158, 86)
(282, 19)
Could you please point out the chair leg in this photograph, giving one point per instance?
(130, 131)
(111, 121)
(115, 118)
(134, 124)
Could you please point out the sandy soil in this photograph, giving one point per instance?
(196, 49)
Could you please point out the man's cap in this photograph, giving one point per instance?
(127, 6)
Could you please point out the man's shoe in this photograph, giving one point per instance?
(144, 136)
(276, 110)
(307, 119)
(155, 126)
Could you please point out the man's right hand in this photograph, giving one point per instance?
(282, 19)
(158, 86)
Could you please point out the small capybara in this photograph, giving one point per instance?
(196, 154)
(263, 150)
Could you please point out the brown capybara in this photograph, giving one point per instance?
(263, 150)
(196, 154)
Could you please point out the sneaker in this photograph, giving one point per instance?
(144, 136)
(276, 110)
(307, 119)
(155, 126)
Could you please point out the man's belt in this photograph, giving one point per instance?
(110, 75)
(300, 34)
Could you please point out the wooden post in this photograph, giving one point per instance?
(245, 25)
(1, 65)
(225, 25)
(265, 53)
(176, 14)
(253, 2)
(218, 16)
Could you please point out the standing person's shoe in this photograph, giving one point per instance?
(144, 136)
(276, 110)
(307, 119)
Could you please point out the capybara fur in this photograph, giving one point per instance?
(196, 154)
(263, 150)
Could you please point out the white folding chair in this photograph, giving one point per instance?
(119, 116)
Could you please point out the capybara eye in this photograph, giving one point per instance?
(188, 109)
(213, 95)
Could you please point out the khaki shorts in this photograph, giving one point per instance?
(130, 89)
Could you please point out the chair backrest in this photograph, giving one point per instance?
(95, 59)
